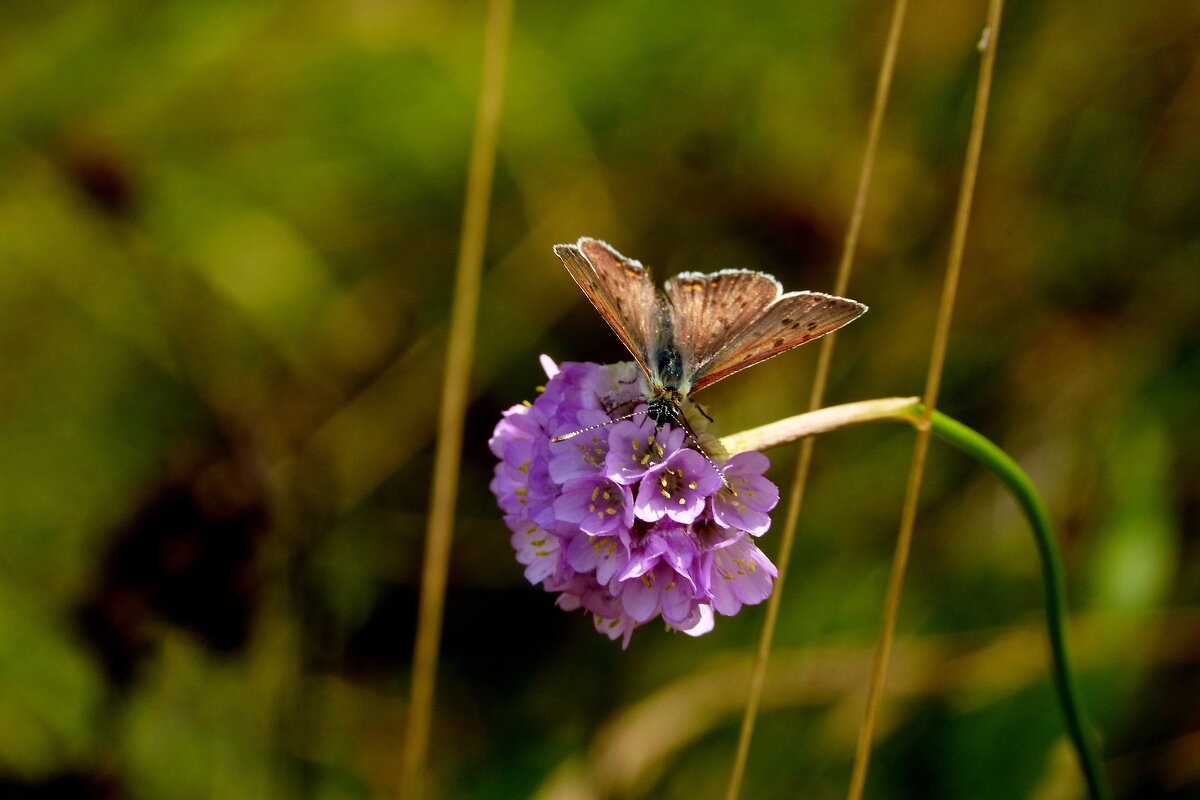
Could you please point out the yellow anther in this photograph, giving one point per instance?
(692, 485)
(682, 501)
(665, 493)
(595, 492)
(610, 511)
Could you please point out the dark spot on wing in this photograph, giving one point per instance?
(811, 325)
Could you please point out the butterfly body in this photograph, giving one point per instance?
(665, 376)
(701, 327)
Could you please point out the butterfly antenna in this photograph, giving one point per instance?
(573, 434)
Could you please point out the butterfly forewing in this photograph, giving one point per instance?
(621, 290)
(710, 311)
(789, 321)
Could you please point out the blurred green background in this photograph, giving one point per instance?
(227, 239)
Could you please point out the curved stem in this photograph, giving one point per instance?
(910, 409)
(830, 418)
(1054, 585)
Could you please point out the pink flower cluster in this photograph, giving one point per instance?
(625, 520)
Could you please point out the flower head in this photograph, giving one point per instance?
(627, 521)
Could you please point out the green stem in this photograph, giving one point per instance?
(975, 444)
(909, 409)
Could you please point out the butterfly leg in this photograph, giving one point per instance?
(703, 413)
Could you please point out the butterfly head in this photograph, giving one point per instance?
(666, 406)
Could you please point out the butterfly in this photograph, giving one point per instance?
(701, 327)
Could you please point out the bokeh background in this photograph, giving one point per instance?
(227, 238)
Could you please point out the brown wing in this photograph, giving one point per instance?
(620, 289)
(708, 311)
(734, 319)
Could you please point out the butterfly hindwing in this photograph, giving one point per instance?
(621, 290)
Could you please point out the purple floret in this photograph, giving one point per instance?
(677, 489)
(595, 504)
(745, 505)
